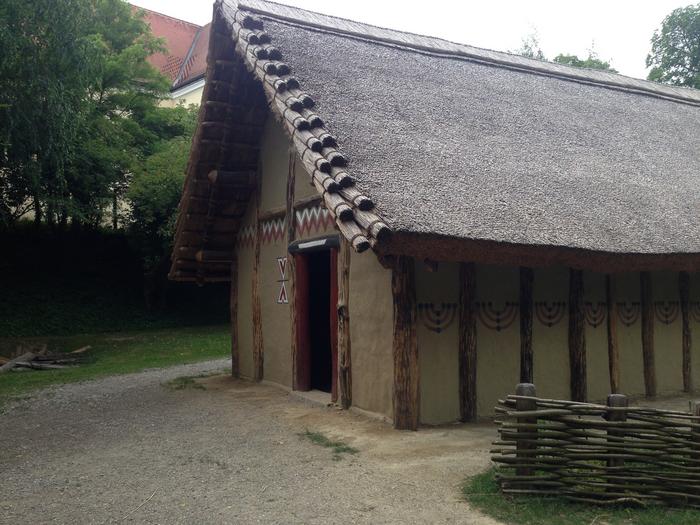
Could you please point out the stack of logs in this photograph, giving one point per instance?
(42, 360)
(316, 147)
(599, 454)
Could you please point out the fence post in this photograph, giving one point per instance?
(616, 401)
(525, 444)
(695, 411)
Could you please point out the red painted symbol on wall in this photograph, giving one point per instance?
(282, 297)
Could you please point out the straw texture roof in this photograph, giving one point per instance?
(457, 142)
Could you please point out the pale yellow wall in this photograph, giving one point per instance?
(371, 332)
(596, 338)
(191, 97)
(629, 338)
(438, 351)
(667, 337)
(550, 344)
(498, 352)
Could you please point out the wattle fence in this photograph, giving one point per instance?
(601, 454)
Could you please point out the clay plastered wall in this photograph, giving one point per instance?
(667, 332)
(274, 273)
(498, 335)
(629, 333)
(371, 332)
(438, 320)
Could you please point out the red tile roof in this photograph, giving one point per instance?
(186, 44)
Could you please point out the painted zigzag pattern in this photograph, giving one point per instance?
(309, 221)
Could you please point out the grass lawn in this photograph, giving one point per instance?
(119, 353)
(482, 492)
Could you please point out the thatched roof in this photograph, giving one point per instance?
(462, 147)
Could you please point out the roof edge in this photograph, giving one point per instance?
(440, 47)
(354, 213)
(435, 247)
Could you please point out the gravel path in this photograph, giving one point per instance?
(127, 449)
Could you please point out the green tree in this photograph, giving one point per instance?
(675, 49)
(591, 62)
(530, 47)
(153, 197)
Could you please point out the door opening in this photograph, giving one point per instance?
(316, 295)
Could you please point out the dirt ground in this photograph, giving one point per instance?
(127, 449)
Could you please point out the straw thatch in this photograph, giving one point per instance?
(462, 144)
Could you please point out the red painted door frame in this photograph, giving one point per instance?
(302, 283)
(302, 379)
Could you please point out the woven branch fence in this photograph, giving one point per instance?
(602, 454)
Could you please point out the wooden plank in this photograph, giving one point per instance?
(526, 307)
(577, 337)
(647, 306)
(467, 342)
(233, 309)
(684, 295)
(405, 345)
(613, 349)
(258, 348)
(343, 310)
(301, 366)
(333, 319)
(27, 356)
(291, 260)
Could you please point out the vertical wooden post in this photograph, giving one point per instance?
(333, 320)
(258, 358)
(684, 293)
(526, 444)
(616, 401)
(405, 345)
(526, 306)
(577, 337)
(301, 380)
(290, 219)
(344, 347)
(647, 306)
(613, 350)
(233, 309)
(695, 411)
(467, 342)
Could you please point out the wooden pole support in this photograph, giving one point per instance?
(526, 306)
(344, 349)
(616, 401)
(233, 306)
(577, 337)
(647, 306)
(613, 349)
(405, 345)
(467, 342)
(684, 295)
(526, 445)
(695, 411)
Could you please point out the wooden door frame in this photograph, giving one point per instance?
(301, 251)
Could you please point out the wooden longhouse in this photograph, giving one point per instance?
(414, 225)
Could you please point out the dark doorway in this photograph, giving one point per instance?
(319, 307)
(316, 295)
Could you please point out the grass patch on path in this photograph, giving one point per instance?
(338, 447)
(121, 353)
(482, 493)
(185, 382)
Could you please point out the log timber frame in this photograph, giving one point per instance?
(467, 342)
(647, 314)
(526, 307)
(405, 345)
(577, 337)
